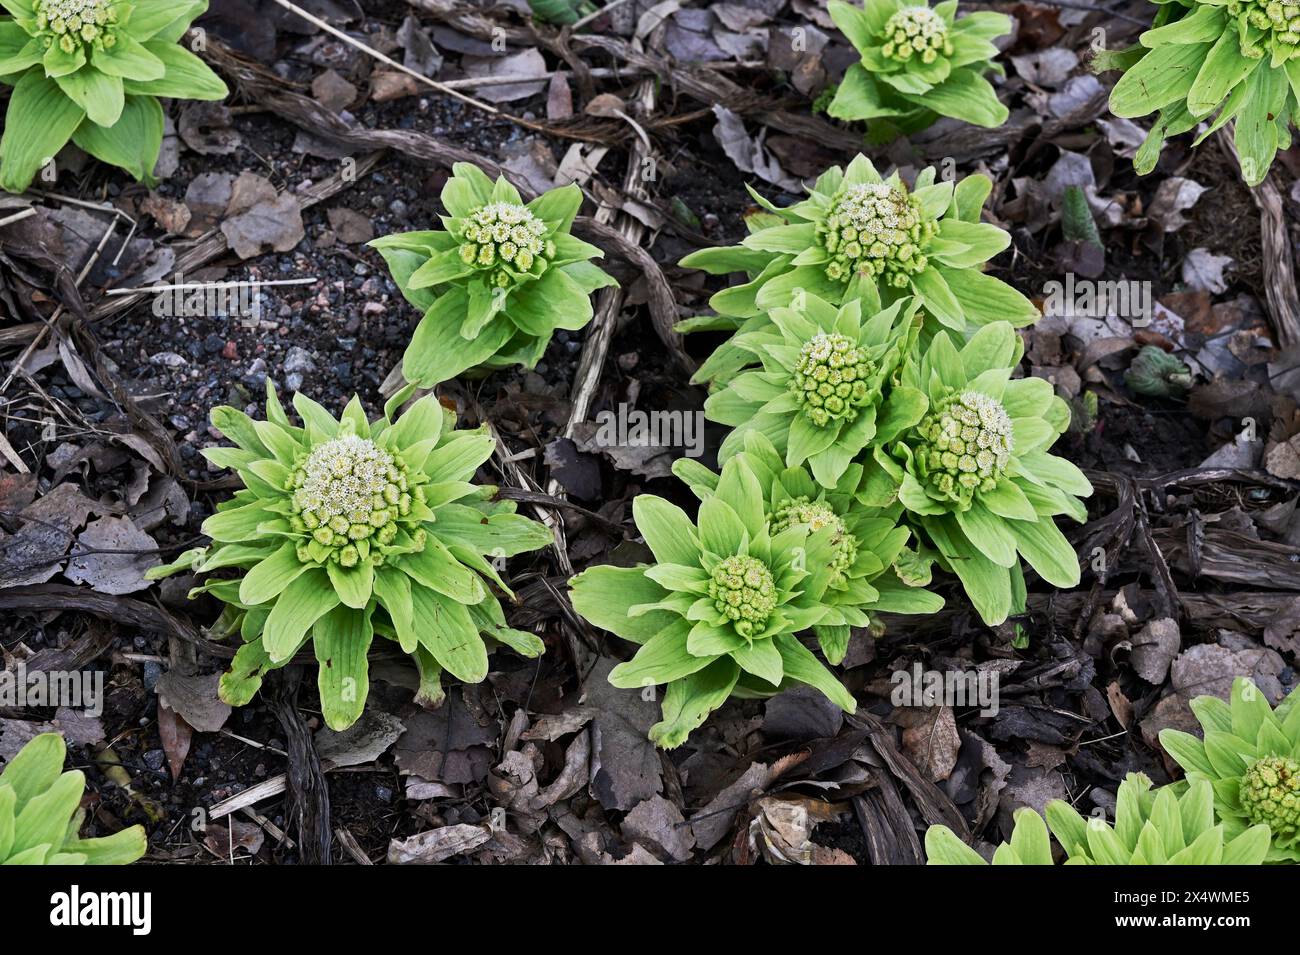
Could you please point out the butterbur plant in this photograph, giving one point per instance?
(1251, 757)
(347, 528)
(865, 542)
(718, 612)
(1152, 827)
(496, 281)
(861, 236)
(1029, 844)
(91, 71)
(917, 63)
(1233, 58)
(974, 473)
(821, 374)
(41, 814)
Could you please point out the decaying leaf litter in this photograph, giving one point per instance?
(327, 144)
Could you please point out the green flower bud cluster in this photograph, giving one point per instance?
(1278, 20)
(816, 515)
(877, 231)
(967, 445)
(830, 378)
(916, 31)
(73, 23)
(1270, 794)
(349, 490)
(744, 592)
(502, 234)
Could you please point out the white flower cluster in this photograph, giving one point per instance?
(348, 489)
(830, 378)
(1278, 20)
(504, 233)
(968, 444)
(71, 23)
(876, 230)
(744, 592)
(916, 31)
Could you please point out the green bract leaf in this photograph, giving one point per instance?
(40, 121)
(1152, 827)
(376, 530)
(132, 142)
(40, 818)
(1236, 59)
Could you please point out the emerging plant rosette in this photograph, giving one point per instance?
(865, 541)
(496, 282)
(1236, 59)
(973, 472)
(819, 383)
(917, 63)
(859, 236)
(1152, 827)
(1251, 756)
(348, 528)
(90, 71)
(718, 612)
(41, 814)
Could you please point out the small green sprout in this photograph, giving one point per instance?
(861, 236)
(496, 282)
(865, 541)
(1157, 374)
(818, 385)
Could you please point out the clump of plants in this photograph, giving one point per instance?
(346, 529)
(1213, 62)
(866, 542)
(1152, 827)
(718, 612)
(496, 281)
(91, 71)
(859, 236)
(918, 63)
(821, 377)
(41, 814)
(868, 384)
(973, 471)
(1251, 757)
